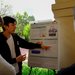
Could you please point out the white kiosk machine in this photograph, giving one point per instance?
(46, 33)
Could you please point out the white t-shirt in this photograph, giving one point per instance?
(6, 68)
(12, 50)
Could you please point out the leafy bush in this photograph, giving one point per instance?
(36, 70)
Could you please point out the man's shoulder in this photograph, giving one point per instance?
(1, 35)
(14, 34)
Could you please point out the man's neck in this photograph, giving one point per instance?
(6, 34)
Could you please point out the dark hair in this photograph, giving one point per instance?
(8, 19)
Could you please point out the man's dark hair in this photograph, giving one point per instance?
(8, 19)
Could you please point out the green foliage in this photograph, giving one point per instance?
(36, 70)
(1, 29)
(25, 69)
(23, 26)
(26, 31)
(5, 9)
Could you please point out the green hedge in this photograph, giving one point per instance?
(36, 70)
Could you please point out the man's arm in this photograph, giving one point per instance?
(6, 68)
(29, 45)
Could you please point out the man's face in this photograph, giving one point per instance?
(11, 27)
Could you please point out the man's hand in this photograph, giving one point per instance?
(45, 47)
(21, 58)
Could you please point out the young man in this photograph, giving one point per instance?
(10, 43)
(5, 67)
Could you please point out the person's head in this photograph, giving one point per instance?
(9, 24)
